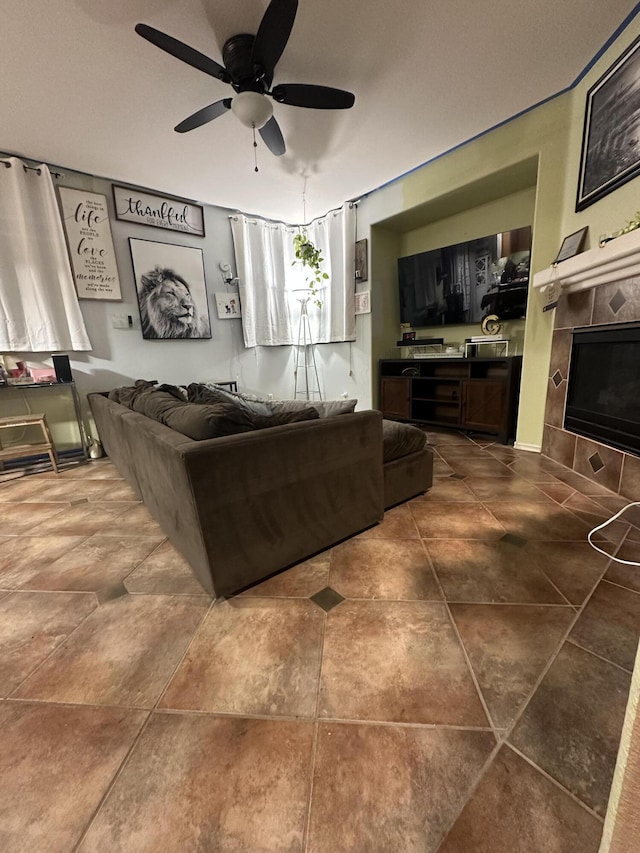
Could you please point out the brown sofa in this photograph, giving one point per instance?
(242, 507)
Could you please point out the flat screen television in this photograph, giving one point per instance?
(466, 282)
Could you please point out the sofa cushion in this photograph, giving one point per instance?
(400, 440)
(325, 408)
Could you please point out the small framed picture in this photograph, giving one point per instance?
(572, 245)
(408, 336)
(362, 302)
(228, 305)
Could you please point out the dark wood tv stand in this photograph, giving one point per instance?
(472, 394)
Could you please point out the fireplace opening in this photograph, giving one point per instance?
(603, 397)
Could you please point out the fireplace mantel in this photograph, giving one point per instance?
(617, 260)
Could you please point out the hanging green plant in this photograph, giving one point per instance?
(309, 256)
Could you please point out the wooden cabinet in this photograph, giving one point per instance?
(396, 397)
(475, 394)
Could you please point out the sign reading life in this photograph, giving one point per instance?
(93, 262)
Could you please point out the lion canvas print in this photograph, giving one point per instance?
(172, 294)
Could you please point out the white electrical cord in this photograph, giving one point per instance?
(604, 524)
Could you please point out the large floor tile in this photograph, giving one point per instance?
(92, 470)
(29, 518)
(96, 563)
(164, 571)
(210, 784)
(398, 523)
(594, 515)
(448, 489)
(252, 656)
(480, 466)
(610, 624)
(558, 491)
(509, 646)
(448, 520)
(118, 491)
(56, 763)
(475, 571)
(539, 521)
(301, 581)
(574, 567)
(68, 491)
(85, 519)
(396, 662)
(384, 788)
(130, 519)
(534, 470)
(383, 568)
(571, 727)
(32, 624)
(23, 557)
(123, 654)
(619, 573)
(515, 809)
(499, 489)
(24, 489)
(447, 437)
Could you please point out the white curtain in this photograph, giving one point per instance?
(271, 285)
(39, 310)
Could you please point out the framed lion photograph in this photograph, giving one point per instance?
(171, 289)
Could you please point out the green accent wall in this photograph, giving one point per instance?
(524, 172)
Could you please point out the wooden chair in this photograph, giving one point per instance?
(18, 451)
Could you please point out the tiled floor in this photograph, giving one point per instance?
(454, 679)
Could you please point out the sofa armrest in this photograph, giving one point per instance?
(266, 499)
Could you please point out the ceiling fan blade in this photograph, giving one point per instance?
(183, 51)
(204, 115)
(272, 136)
(273, 34)
(313, 97)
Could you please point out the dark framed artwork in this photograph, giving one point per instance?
(159, 211)
(361, 272)
(610, 141)
(572, 245)
(171, 290)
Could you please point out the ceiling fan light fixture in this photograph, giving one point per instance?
(252, 109)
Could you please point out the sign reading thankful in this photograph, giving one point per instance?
(159, 211)
(93, 260)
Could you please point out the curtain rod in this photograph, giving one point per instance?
(334, 210)
(33, 169)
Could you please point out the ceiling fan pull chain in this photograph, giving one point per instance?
(255, 149)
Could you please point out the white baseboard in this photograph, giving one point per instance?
(532, 448)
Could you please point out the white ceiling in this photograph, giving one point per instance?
(79, 88)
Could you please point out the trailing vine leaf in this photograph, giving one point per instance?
(310, 256)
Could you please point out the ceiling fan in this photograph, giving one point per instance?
(249, 62)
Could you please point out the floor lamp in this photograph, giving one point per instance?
(307, 384)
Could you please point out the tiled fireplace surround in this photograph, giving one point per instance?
(615, 302)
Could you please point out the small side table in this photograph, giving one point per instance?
(18, 451)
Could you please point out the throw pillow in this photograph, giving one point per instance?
(205, 392)
(126, 394)
(156, 404)
(209, 420)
